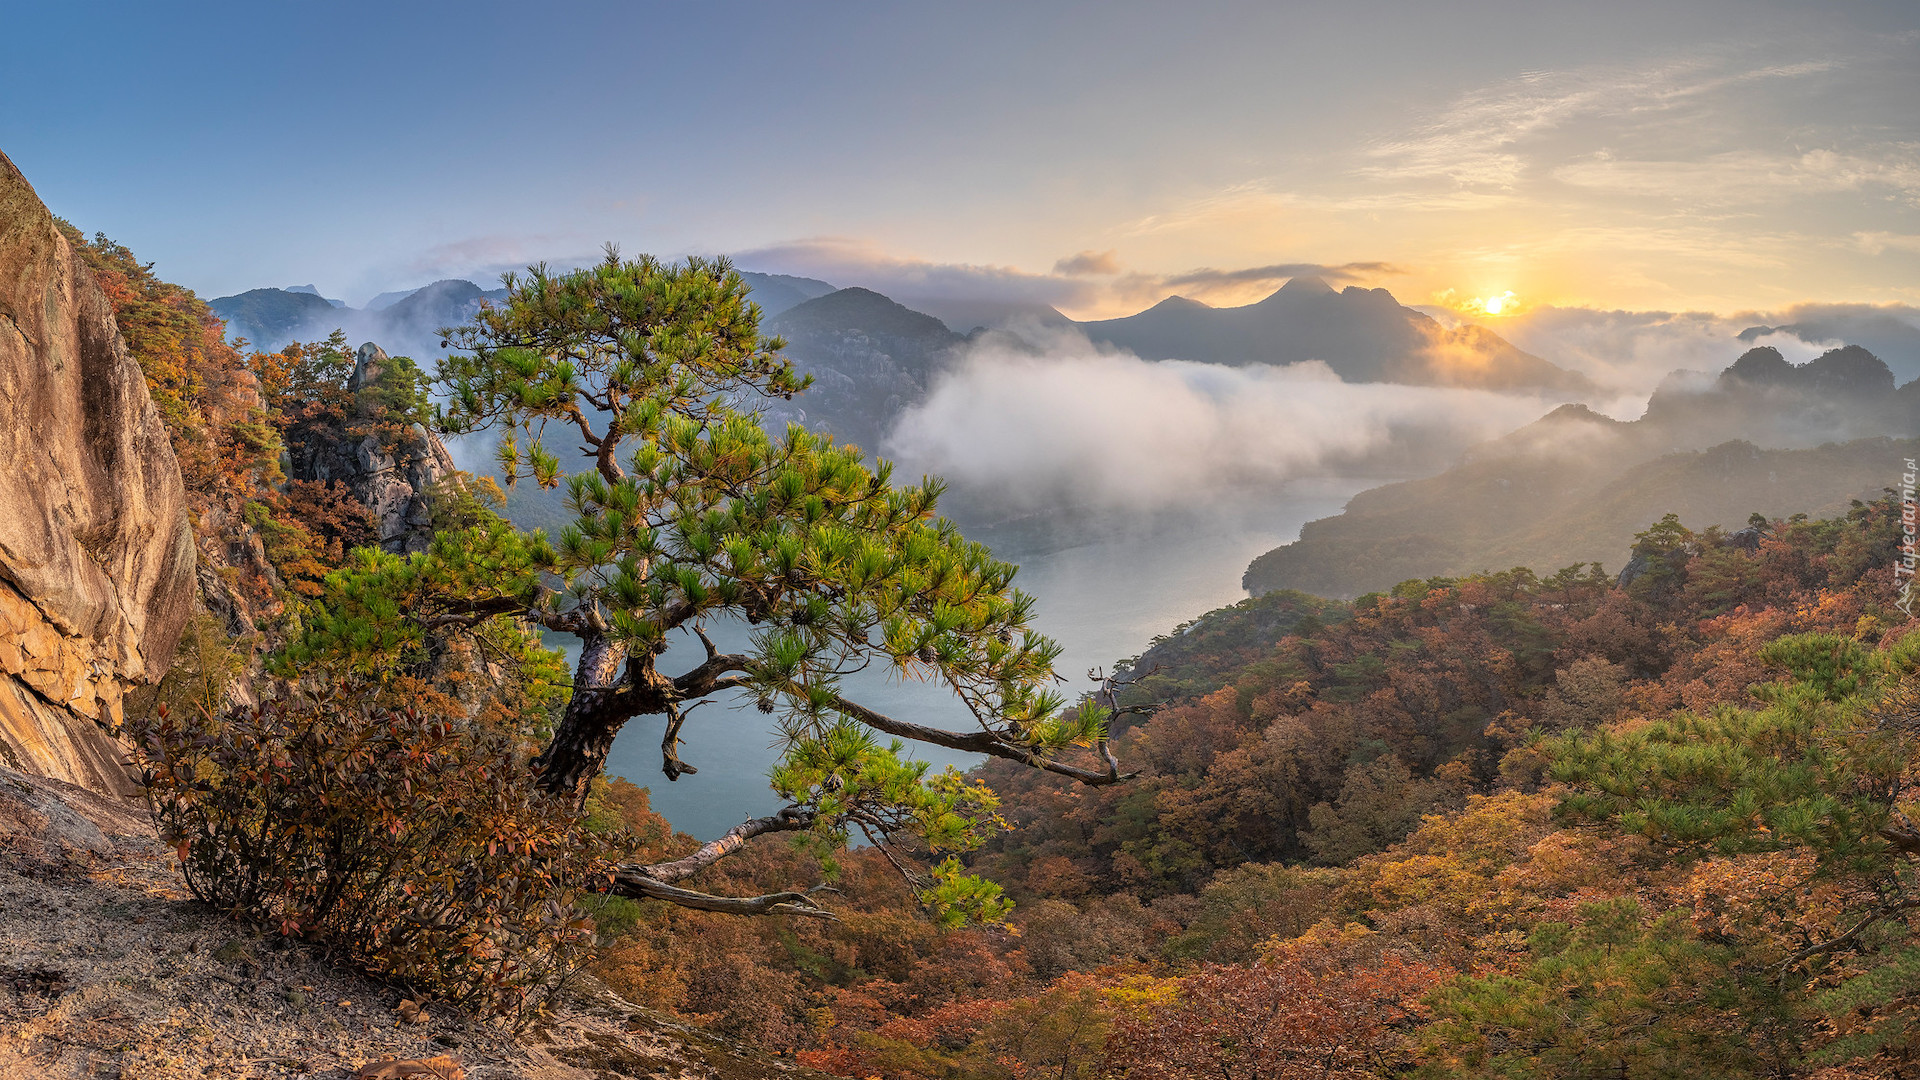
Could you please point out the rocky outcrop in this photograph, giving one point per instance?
(96, 557)
(389, 471)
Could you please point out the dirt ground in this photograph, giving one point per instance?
(109, 969)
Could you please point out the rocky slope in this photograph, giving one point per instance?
(96, 555)
(108, 969)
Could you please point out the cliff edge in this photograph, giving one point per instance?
(96, 555)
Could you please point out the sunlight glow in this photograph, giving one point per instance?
(1493, 305)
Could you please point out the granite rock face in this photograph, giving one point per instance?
(389, 475)
(96, 555)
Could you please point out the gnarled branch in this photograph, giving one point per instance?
(638, 886)
(980, 742)
(789, 819)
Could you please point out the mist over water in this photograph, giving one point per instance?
(1048, 418)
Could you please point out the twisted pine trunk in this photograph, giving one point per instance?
(585, 736)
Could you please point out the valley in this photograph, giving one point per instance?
(960, 542)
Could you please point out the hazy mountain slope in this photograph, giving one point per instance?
(869, 358)
(402, 323)
(269, 318)
(1575, 486)
(1363, 334)
(1496, 515)
(776, 293)
(963, 316)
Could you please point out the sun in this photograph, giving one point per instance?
(1500, 303)
(1494, 305)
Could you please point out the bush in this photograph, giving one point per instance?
(416, 848)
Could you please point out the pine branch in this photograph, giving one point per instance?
(640, 887)
(789, 819)
(980, 742)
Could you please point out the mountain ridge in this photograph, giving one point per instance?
(1364, 335)
(1575, 485)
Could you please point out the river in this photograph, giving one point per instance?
(1102, 601)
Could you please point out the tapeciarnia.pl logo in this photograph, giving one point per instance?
(1903, 566)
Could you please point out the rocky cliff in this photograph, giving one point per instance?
(96, 556)
(387, 468)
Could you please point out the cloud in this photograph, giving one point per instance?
(1089, 262)
(1879, 243)
(1071, 423)
(1209, 278)
(1493, 137)
(1090, 283)
(1746, 176)
(1631, 351)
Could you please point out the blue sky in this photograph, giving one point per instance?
(1712, 155)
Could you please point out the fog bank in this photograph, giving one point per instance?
(1067, 422)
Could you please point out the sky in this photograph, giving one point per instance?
(1646, 156)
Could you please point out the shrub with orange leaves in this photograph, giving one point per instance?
(412, 846)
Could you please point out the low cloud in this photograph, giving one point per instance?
(1088, 285)
(1631, 351)
(1070, 423)
(1208, 279)
(1879, 243)
(846, 262)
(1089, 262)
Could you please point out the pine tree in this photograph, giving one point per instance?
(687, 511)
(1803, 805)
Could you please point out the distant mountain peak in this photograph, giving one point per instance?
(1306, 285)
(1760, 365)
(1180, 303)
(1364, 335)
(856, 308)
(1849, 369)
(1576, 413)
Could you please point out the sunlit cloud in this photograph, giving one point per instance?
(1489, 137)
(1089, 262)
(1494, 305)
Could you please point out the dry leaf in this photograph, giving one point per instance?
(437, 1067)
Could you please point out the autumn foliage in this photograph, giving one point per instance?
(1359, 847)
(1660, 824)
(412, 846)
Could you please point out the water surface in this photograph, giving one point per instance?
(1102, 601)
